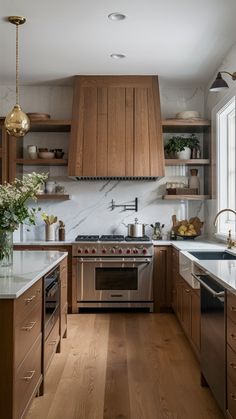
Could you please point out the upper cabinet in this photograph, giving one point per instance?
(116, 127)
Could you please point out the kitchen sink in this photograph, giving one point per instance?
(213, 255)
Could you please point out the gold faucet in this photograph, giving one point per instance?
(230, 242)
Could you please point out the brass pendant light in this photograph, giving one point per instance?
(17, 122)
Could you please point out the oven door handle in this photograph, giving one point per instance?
(52, 291)
(214, 293)
(114, 260)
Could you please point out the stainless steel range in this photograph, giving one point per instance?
(114, 271)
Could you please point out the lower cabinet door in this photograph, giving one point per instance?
(196, 319)
(28, 377)
(50, 345)
(231, 398)
(186, 308)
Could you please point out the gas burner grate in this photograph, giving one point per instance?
(87, 238)
(137, 239)
(112, 238)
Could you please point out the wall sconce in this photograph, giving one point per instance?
(17, 122)
(219, 83)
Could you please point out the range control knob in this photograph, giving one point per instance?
(120, 251)
(80, 250)
(94, 250)
(104, 251)
(113, 250)
(128, 251)
(144, 251)
(135, 251)
(86, 251)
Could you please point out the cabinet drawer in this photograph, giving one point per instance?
(231, 364)
(63, 320)
(50, 345)
(231, 398)
(25, 303)
(27, 332)
(231, 333)
(231, 306)
(28, 377)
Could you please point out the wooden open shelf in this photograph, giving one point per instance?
(178, 162)
(51, 125)
(185, 125)
(186, 197)
(42, 162)
(52, 196)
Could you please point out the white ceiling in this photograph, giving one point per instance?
(181, 40)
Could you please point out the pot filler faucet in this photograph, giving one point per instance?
(230, 242)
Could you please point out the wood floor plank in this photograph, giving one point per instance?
(124, 366)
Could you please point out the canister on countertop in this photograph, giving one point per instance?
(61, 231)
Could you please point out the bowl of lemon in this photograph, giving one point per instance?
(188, 229)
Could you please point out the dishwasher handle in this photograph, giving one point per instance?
(214, 293)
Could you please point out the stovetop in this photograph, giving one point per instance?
(111, 238)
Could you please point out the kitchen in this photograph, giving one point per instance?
(106, 313)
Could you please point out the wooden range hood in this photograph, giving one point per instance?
(116, 128)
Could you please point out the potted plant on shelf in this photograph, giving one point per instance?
(181, 147)
(14, 211)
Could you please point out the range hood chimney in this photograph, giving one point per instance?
(116, 129)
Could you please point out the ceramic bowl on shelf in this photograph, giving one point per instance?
(36, 116)
(46, 155)
(188, 115)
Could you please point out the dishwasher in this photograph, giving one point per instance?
(213, 337)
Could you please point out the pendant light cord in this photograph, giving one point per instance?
(17, 65)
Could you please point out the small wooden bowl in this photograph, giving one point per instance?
(35, 116)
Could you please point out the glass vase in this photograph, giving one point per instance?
(6, 248)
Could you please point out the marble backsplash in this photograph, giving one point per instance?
(88, 211)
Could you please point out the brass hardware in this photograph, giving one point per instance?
(17, 20)
(233, 396)
(233, 308)
(233, 337)
(186, 290)
(28, 300)
(17, 123)
(30, 327)
(233, 365)
(29, 377)
(52, 343)
(230, 242)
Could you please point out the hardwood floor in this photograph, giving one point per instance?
(124, 366)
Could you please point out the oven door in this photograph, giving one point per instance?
(114, 279)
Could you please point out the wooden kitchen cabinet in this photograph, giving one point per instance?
(186, 304)
(71, 282)
(116, 127)
(231, 355)
(20, 351)
(162, 287)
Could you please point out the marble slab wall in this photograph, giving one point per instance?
(89, 209)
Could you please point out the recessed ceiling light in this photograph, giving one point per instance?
(117, 56)
(116, 16)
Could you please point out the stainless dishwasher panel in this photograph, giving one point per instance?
(213, 337)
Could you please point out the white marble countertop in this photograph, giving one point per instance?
(28, 267)
(44, 243)
(191, 244)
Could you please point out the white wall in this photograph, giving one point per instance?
(212, 99)
(89, 209)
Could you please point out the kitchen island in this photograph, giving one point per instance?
(33, 312)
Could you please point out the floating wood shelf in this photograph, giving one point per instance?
(178, 162)
(186, 197)
(185, 125)
(42, 162)
(51, 125)
(56, 196)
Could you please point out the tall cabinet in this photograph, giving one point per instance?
(116, 127)
(3, 153)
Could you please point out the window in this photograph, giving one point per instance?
(226, 166)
